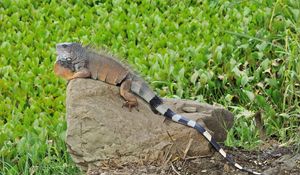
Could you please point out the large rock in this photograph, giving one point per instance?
(102, 133)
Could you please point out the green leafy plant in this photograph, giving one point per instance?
(243, 55)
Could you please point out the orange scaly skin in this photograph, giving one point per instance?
(130, 99)
(68, 74)
(63, 72)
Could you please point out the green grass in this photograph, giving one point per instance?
(241, 54)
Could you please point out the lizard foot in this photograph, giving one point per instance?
(130, 105)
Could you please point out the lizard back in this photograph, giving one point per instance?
(106, 69)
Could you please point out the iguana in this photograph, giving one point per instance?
(75, 61)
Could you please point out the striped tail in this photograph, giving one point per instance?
(143, 91)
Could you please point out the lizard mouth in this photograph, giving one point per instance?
(60, 62)
(64, 64)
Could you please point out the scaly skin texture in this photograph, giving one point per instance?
(125, 92)
(63, 72)
(99, 67)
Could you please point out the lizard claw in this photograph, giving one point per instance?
(130, 105)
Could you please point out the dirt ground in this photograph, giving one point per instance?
(271, 159)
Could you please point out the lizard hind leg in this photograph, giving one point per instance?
(130, 99)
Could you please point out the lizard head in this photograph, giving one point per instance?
(69, 52)
(68, 56)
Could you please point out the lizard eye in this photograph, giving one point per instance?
(68, 59)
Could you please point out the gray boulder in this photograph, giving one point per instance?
(103, 134)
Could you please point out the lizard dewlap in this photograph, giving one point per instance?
(75, 61)
(60, 70)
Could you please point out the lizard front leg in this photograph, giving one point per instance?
(83, 73)
(130, 99)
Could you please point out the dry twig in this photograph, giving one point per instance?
(174, 169)
(187, 148)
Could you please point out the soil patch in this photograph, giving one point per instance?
(270, 161)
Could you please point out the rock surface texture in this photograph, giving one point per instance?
(103, 134)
